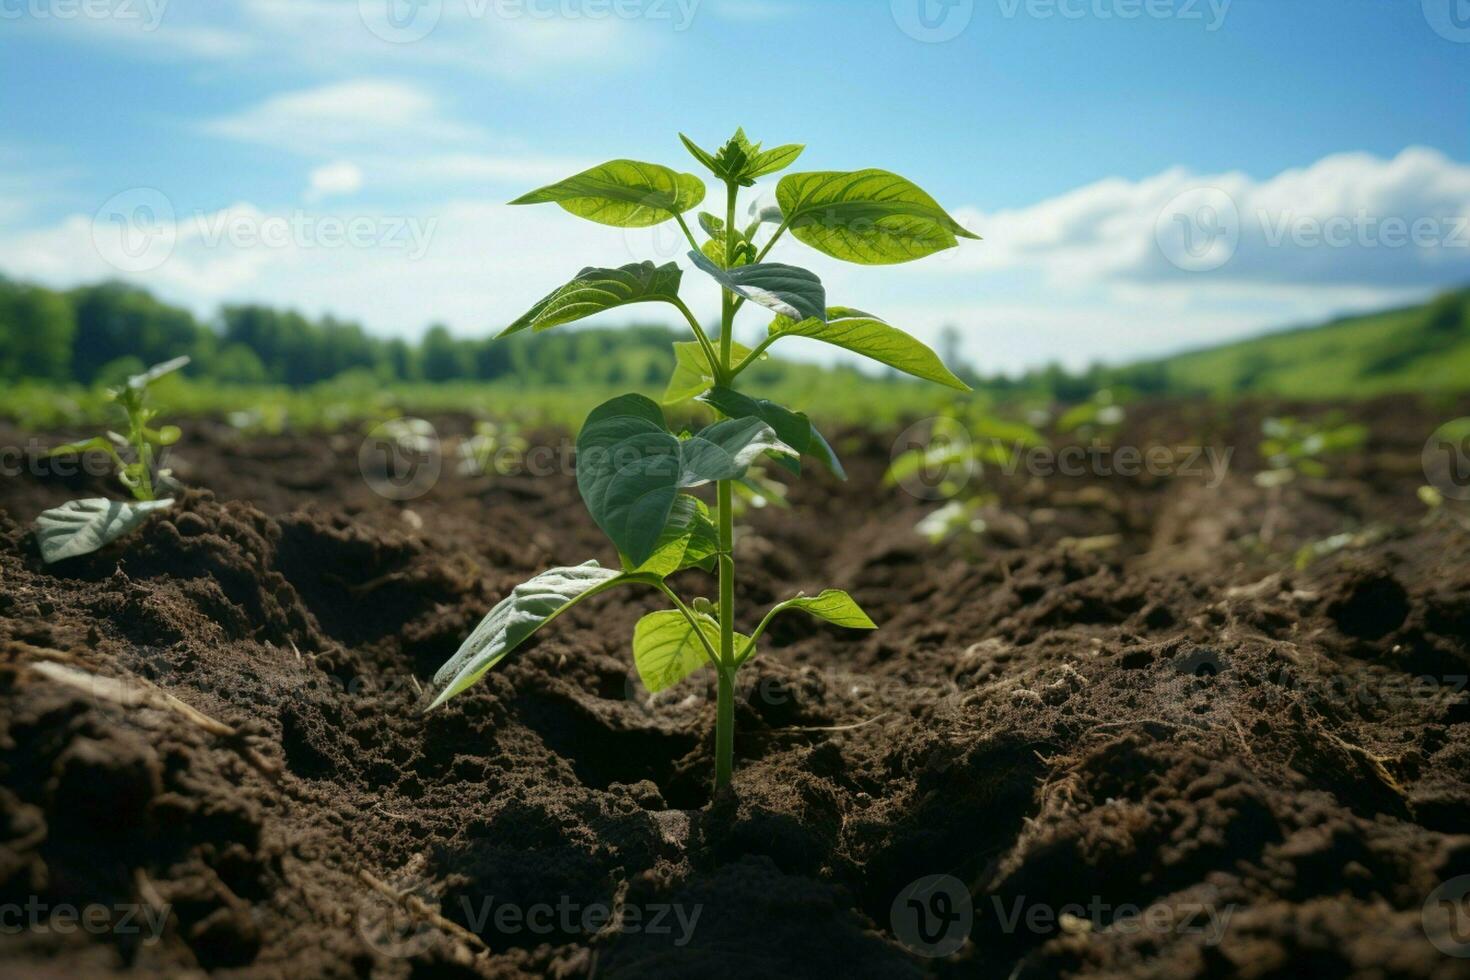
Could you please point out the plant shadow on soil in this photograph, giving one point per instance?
(1108, 703)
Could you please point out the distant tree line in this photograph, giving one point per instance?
(102, 333)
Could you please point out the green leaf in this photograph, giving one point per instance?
(140, 381)
(700, 154)
(741, 161)
(792, 428)
(872, 217)
(825, 454)
(628, 474)
(790, 291)
(836, 607)
(95, 444)
(772, 160)
(867, 335)
(725, 450)
(692, 373)
(594, 290)
(688, 540)
(530, 606)
(80, 527)
(715, 252)
(666, 648)
(713, 227)
(639, 406)
(623, 193)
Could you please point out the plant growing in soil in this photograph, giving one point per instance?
(1293, 447)
(635, 474)
(80, 527)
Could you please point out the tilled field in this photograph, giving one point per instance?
(1109, 735)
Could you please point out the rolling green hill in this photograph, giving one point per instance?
(1420, 348)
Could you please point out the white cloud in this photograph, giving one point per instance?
(334, 179)
(1349, 220)
(358, 114)
(335, 37)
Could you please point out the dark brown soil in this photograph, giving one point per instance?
(1139, 742)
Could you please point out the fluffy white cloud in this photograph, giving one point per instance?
(1349, 220)
(356, 114)
(334, 179)
(510, 39)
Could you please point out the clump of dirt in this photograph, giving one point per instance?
(1110, 733)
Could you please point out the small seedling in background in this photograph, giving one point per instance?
(958, 448)
(1293, 448)
(1095, 419)
(486, 451)
(83, 526)
(634, 473)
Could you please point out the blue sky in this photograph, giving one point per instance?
(1318, 149)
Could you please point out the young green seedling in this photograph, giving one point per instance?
(1293, 447)
(635, 474)
(83, 526)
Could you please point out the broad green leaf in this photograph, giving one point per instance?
(639, 406)
(836, 607)
(628, 474)
(790, 291)
(688, 539)
(692, 374)
(530, 606)
(867, 335)
(792, 428)
(666, 648)
(623, 193)
(871, 217)
(594, 290)
(774, 159)
(80, 527)
(725, 450)
(821, 449)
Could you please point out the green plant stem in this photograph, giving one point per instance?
(687, 233)
(725, 714)
(725, 719)
(701, 336)
(709, 651)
